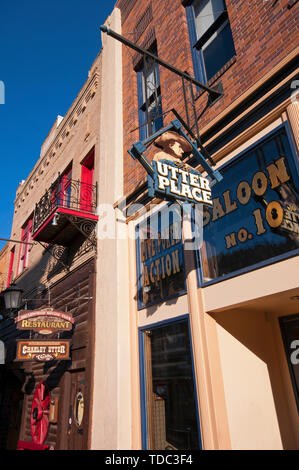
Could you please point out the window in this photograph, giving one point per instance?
(61, 194)
(169, 395)
(87, 171)
(24, 247)
(11, 261)
(210, 36)
(149, 98)
(290, 334)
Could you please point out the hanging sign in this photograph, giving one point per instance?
(173, 180)
(44, 322)
(169, 177)
(43, 351)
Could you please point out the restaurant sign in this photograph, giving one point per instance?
(43, 351)
(44, 322)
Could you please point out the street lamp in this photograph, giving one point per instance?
(12, 298)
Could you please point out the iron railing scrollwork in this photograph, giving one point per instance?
(73, 194)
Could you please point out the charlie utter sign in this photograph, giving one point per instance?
(168, 176)
(42, 350)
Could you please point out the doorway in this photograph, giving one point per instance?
(169, 404)
(73, 421)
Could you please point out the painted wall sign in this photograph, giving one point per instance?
(255, 214)
(44, 322)
(43, 351)
(160, 259)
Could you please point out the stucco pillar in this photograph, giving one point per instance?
(111, 415)
(293, 116)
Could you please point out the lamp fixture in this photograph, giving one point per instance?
(54, 221)
(12, 299)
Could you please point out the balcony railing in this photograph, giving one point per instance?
(74, 196)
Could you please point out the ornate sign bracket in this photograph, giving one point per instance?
(85, 227)
(55, 252)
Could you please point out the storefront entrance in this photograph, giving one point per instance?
(169, 405)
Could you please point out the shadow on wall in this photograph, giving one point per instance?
(250, 341)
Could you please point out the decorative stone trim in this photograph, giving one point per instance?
(67, 124)
(149, 40)
(143, 23)
(125, 7)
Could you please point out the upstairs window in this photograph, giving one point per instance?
(62, 189)
(24, 247)
(149, 98)
(10, 269)
(210, 36)
(87, 176)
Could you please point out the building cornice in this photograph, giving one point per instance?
(70, 120)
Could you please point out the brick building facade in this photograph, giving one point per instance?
(228, 306)
(52, 259)
(178, 348)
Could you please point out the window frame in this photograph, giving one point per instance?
(284, 322)
(11, 263)
(197, 42)
(26, 234)
(144, 101)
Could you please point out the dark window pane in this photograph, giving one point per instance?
(160, 258)
(218, 50)
(290, 333)
(173, 388)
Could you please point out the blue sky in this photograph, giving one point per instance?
(46, 50)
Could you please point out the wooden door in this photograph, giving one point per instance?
(73, 422)
(76, 431)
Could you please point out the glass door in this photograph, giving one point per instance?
(169, 405)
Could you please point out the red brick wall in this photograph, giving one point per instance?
(264, 32)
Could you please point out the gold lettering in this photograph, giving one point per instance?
(242, 235)
(274, 214)
(243, 192)
(230, 240)
(206, 217)
(277, 173)
(229, 206)
(259, 183)
(168, 265)
(259, 222)
(175, 261)
(218, 211)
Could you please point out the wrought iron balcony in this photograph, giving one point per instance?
(65, 206)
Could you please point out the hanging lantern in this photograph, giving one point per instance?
(12, 298)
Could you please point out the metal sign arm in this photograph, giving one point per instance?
(214, 93)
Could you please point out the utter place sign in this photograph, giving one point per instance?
(173, 180)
